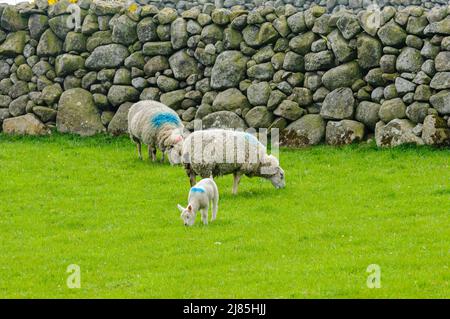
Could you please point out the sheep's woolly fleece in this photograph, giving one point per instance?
(153, 123)
(219, 152)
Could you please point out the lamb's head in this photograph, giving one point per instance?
(272, 171)
(187, 215)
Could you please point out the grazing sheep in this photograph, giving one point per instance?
(220, 152)
(158, 126)
(200, 196)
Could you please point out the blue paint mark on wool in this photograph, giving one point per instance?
(251, 138)
(197, 190)
(164, 118)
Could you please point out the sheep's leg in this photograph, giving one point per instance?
(192, 178)
(152, 152)
(139, 149)
(237, 178)
(204, 212)
(162, 158)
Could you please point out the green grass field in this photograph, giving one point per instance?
(66, 200)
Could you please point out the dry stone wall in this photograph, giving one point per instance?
(318, 73)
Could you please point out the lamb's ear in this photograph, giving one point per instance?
(180, 208)
(189, 208)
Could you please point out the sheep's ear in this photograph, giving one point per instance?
(180, 208)
(189, 208)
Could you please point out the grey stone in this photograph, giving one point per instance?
(146, 30)
(323, 60)
(119, 123)
(289, 110)
(27, 124)
(404, 86)
(51, 94)
(178, 33)
(259, 117)
(262, 71)
(342, 76)
(435, 131)
(409, 60)
(348, 25)
(183, 65)
(107, 56)
(119, 94)
(258, 94)
(367, 113)
(293, 62)
(341, 48)
(18, 106)
(296, 22)
(173, 99)
(229, 100)
(441, 102)
(12, 20)
(228, 70)
(338, 104)
(124, 30)
(157, 48)
(441, 81)
(45, 114)
(344, 132)
(391, 34)
(369, 51)
(417, 111)
(14, 44)
(301, 44)
(308, 130)
(395, 133)
(442, 62)
(77, 113)
(223, 120)
(67, 64)
(156, 64)
(392, 109)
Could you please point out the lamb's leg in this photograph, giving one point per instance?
(162, 158)
(204, 212)
(215, 206)
(237, 178)
(152, 152)
(215, 203)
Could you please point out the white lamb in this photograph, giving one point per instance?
(200, 196)
(220, 152)
(158, 126)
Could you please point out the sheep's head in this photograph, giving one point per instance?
(187, 215)
(175, 148)
(271, 170)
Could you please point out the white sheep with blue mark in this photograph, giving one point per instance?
(199, 199)
(158, 126)
(219, 152)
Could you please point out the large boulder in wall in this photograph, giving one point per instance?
(223, 120)
(308, 130)
(27, 124)
(77, 113)
(396, 132)
(119, 123)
